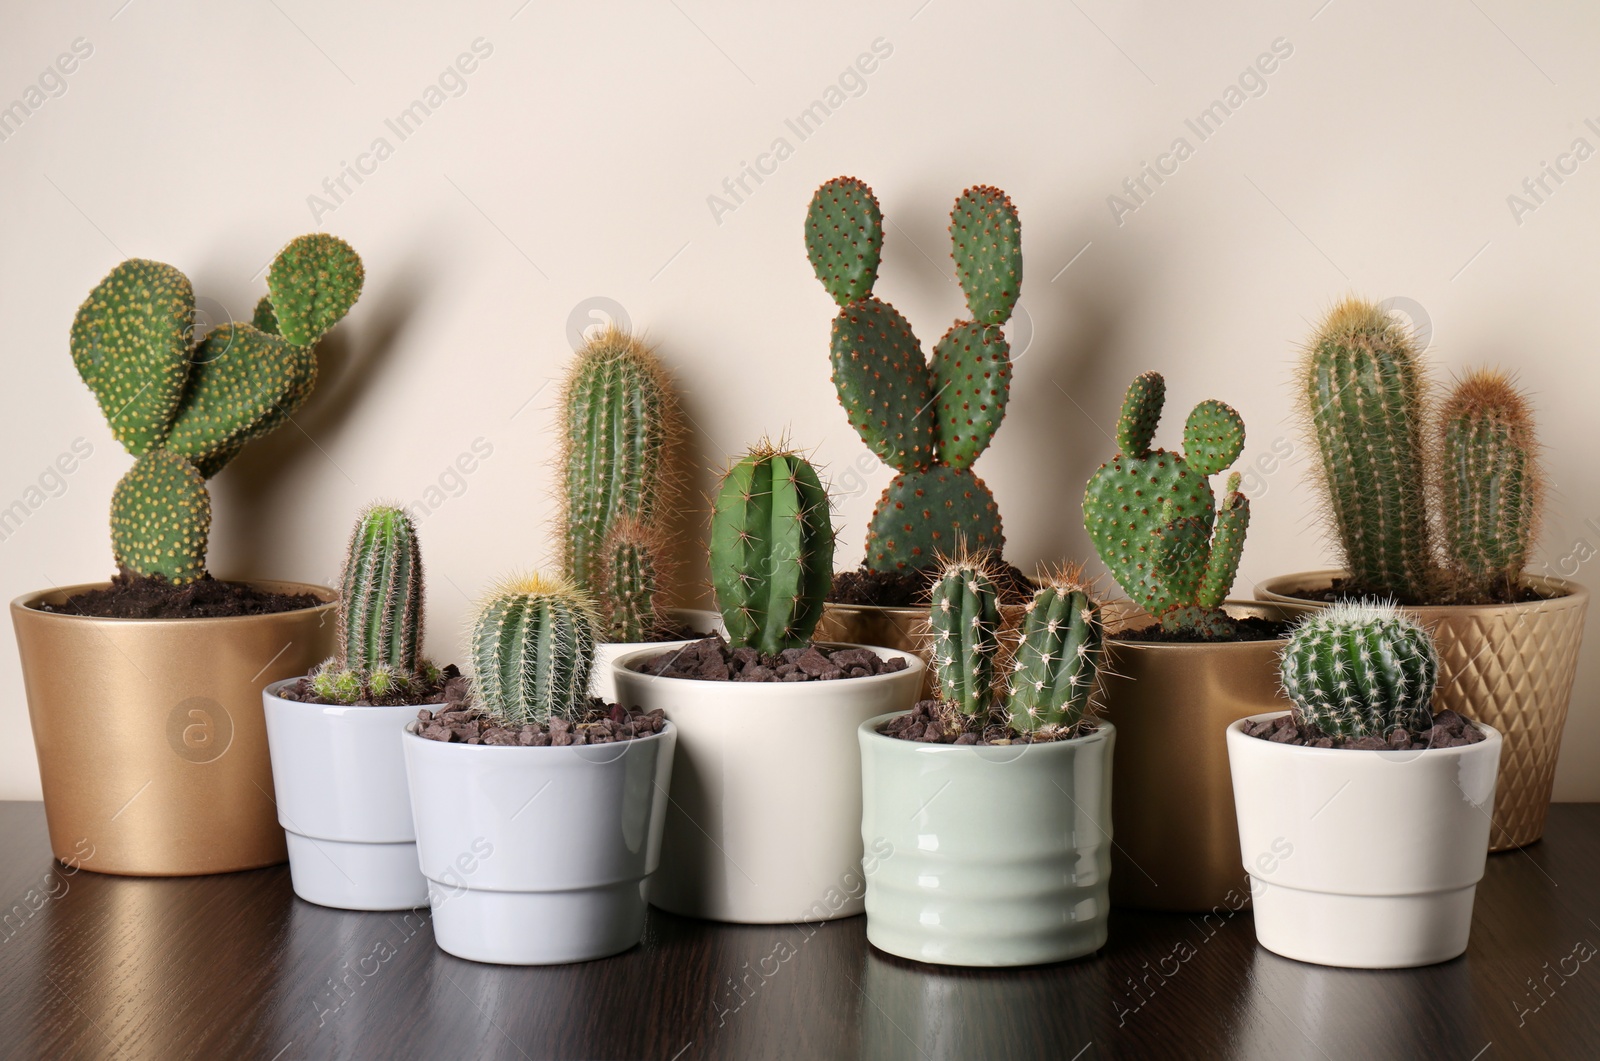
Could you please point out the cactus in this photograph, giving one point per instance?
(1491, 490)
(771, 550)
(1058, 657)
(186, 409)
(1362, 390)
(1360, 669)
(380, 599)
(929, 422)
(532, 648)
(633, 557)
(620, 424)
(1150, 512)
(965, 620)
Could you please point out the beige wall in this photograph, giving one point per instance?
(578, 160)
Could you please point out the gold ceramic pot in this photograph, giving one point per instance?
(905, 629)
(150, 734)
(1510, 666)
(1175, 837)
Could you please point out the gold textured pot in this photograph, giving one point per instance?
(905, 629)
(1175, 840)
(150, 734)
(1510, 666)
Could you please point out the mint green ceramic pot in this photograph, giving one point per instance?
(986, 856)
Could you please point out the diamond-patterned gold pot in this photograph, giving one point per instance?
(1508, 665)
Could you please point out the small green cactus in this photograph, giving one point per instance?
(1058, 658)
(532, 649)
(1150, 512)
(185, 409)
(929, 422)
(633, 558)
(381, 592)
(771, 550)
(965, 620)
(1360, 669)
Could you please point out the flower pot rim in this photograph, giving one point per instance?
(1249, 607)
(28, 601)
(1237, 727)
(272, 691)
(675, 640)
(914, 665)
(410, 733)
(1103, 729)
(1561, 589)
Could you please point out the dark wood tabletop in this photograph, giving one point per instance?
(235, 966)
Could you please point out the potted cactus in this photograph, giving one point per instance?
(1183, 660)
(621, 428)
(1036, 890)
(1338, 877)
(335, 733)
(145, 693)
(1444, 525)
(538, 809)
(765, 820)
(928, 420)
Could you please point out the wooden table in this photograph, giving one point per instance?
(235, 966)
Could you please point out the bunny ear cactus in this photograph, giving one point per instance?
(1058, 658)
(1150, 512)
(929, 421)
(771, 550)
(532, 649)
(1360, 669)
(185, 409)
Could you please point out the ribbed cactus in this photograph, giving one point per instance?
(380, 598)
(1058, 657)
(965, 620)
(1150, 512)
(1491, 490)
(186, 409)
(771, 550)
(620, 423)
(1360, 670)
(631, 577)
(1362, 390)
(532, 648)
(927, 421)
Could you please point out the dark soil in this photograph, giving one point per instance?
(465, 724)
(910, 589)
(1449, 730)
(931, 722)
(133, 596)
(451, 688)
(1343, 590)
(669, 631)
(1252, 628)
(710, 659)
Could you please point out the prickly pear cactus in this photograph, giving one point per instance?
(844, 237)
(884, 383)
(532, 649)
(965, 620)
(161, 518)
(923, 515)
(987, 239)
(1359, 670)
(1053, 675)
(312, 283)
(771, 550)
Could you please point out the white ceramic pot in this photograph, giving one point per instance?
(764, 825)
(989, 856)
(607, 652)
(340, 780)
(536, 856)
(1363, 859)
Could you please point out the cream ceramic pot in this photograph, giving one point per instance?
(607, 652)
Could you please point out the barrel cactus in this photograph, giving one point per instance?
(1153, 517)
(771, 550)
(532, 649)
(1360, 669)
(929, 421)
(184, 409)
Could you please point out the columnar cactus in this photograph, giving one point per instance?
(1150, 512)
(1362, 390)
(1058, 658)
(1491, 489)
(532, 648)
(633, 557)
(965, 620)
(1360, 669)
(928, 421)
(185, 409)
(771, 550)
(620, 423)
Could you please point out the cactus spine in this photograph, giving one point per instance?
(930, 422)
(1360, 670)
(771, 550)
(532, 648)
(1058, 658)
(965, 619)
(1150, 512)
(1491, 490)
(185, 409)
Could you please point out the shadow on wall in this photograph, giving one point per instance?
(698, 461)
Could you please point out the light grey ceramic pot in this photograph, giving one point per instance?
(986, 856)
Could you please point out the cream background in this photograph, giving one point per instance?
(578, 162)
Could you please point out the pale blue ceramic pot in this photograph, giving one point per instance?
(986, 855)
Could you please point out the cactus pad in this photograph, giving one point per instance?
(987, 247)
(971, 384)
(161, 518)
(844, 237)
(923, 515)
(1213, 437)
(313, 282)
(884, 383)
(243, 385)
